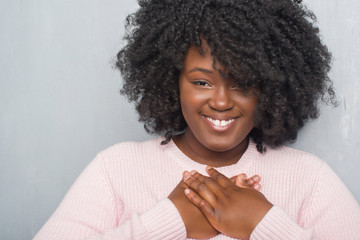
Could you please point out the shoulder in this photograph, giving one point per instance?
(292, 162)
(288, 173)
(132, 149)
(132, 153)
(130, 146)
(292, 156)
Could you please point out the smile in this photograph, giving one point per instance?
(220, 123)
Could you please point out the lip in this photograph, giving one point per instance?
(218, 128)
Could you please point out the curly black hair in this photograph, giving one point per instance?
(273, 45)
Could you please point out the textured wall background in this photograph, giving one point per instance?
(59, 100)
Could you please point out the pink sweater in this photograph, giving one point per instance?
(122, 194)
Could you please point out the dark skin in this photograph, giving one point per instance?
(219, 117)
(205, 94)
(231, 210)
(197, 226)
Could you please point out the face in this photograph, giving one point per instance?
(218, 113)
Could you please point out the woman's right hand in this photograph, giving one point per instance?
(197, 226)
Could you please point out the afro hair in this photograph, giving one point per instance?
(272, 45)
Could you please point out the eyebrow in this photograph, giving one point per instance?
(196, 69)
(204, 70)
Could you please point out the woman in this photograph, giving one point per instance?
(227, 83)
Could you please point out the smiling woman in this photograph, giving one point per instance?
(226, 84)
(219, 116)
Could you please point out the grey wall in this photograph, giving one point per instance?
(59, 101)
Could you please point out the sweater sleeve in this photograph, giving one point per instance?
(331, 213)
(89, 211)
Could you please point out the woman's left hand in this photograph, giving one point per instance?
(232, 210)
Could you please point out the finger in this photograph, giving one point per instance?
(199, 202)
(200, 187)
(256, 178)
(249, 182)
(220, 178)
(253, 182)
(241, 180)
(257, 186)
(210, 182)
(233, 179)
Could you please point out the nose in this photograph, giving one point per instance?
(221, 99)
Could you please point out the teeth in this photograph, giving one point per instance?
(220, 122)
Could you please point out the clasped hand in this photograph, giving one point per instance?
(219, 205)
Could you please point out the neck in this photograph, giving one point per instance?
(192, 148)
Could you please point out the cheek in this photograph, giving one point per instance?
(189, 107)
(251, 108)
(191, 100)
(247, 105)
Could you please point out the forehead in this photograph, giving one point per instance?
(200, 57)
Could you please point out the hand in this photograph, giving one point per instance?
(197, 226)
(241, 180)
(231, 210)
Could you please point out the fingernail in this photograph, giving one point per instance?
(208, 167)
(193, 172)
(242, 176)
(187, 191)
(186, 175)
(256, 178)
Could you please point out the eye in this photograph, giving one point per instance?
(242, 90)
(201, 83)
(238, 88)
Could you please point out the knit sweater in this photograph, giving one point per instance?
(123, 192)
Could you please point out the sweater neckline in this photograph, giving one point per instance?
(250, 155)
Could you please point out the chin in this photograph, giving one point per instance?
(220, 146)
